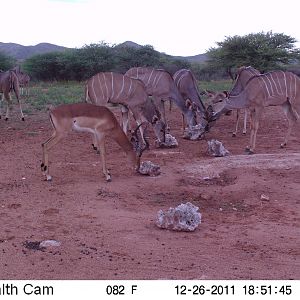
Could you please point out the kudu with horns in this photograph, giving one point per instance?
(9, 82)
(243, 75)
(99, 121)
(130, 94)
(161, 86)
(270, 89)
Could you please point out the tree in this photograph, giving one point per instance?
(6, 62)
(264, 51)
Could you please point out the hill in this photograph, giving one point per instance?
(21, 52)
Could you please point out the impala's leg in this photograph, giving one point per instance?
(245, 121)
(101, 142)
(236, 122)
(125, 118)
(291, 121)
(94, 144)
(52, 141)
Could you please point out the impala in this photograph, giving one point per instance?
(161, 86)
(270, 89)
(9, 82)
(99, 121)
(130, 94)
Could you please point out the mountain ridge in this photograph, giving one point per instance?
(21, 52)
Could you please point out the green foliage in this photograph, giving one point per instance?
(43, 94)
(6, 62)
(264, 51)
(81, 64)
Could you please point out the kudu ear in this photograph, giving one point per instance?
(226, 93)
(189, 104)
(154, 119)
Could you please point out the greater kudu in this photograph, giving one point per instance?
(130, 94)
(187, 85)
(9, 82)
(242, 77)
(161, 86)
(270, 89)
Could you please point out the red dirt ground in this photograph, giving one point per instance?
(108, 231)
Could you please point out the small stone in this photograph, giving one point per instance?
(194, 133)
(184, 217)
(49, 243)
(216, 148)
(149, 168)
(264, 197)
(170, 142)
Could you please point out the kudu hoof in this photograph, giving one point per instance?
(282, 145)
(6, 119)
(233, 134)
(23, 119)
(249, 151)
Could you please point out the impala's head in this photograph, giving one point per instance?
(191, 114)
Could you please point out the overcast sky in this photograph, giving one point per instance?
(176, 27)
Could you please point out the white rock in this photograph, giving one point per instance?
(50, 243)
(184, 217)
(170, 142)
(149, 168)
(194, 132)
(216, 148)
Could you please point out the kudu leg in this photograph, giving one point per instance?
(255, 117)
(245, 121)
(7, 97)
(20, 107)
(292, 119)
(236, 123)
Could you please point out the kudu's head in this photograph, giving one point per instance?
(191, 114)
(215, 108)
(153, 116)
(139, 143)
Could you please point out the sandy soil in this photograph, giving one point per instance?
(108, 231)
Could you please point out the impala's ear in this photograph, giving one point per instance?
(154, 119)
(189, 104)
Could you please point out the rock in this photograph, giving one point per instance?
(264, 197)
(170, 142)
(216, 148)
(49, 243)
(184, 217)
(149, 168)
(194, 132)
